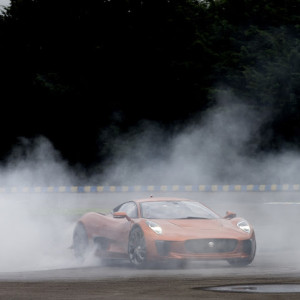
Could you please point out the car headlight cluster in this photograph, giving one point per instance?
(244, 225)
(155, 227)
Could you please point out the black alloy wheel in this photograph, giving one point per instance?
(137, 247)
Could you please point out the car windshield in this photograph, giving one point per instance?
(176, 210)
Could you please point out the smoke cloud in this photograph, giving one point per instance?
(219, 147)
(31, 237)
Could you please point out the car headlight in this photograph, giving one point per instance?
(244, 225)
(155, 227)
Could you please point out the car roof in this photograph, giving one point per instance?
(160, 199)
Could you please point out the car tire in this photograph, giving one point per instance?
(240, 262)
(182, 264)
(80, 241)
(137, 251)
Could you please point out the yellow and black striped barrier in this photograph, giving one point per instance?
(152, 188)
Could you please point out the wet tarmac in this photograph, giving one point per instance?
(257, 288)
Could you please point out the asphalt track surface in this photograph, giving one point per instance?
(275, 217)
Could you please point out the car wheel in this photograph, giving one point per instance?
(80, 241)
(182, 264)
(137, 247)
(241, 262)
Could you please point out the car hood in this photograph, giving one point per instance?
(199, 228)
(204, 224)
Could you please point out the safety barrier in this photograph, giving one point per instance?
(153, 188)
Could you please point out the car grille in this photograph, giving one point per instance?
(210, 245)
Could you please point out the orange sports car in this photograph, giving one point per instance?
(164, 229)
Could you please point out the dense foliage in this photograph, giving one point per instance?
(71, 68)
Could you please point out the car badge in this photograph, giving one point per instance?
(211, 244)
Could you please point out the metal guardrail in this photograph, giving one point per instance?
(152, 188)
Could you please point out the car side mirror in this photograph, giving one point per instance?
(121, 215)
(230, 215)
